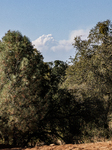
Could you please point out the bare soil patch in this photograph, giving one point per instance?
(88, 146)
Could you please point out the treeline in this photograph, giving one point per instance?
(46, 101)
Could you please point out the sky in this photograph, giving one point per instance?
(51, 25)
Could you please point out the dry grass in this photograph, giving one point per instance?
(87, 146)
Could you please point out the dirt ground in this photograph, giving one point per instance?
(89, 146)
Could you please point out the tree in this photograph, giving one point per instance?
(23, 84)
(57, 72)
(92, 67)
(32, 104)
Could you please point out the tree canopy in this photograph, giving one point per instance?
(92, 66)
(23, 82)
(46, 101)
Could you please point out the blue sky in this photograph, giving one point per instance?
(51, 25)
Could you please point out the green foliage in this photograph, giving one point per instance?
(23, 83)
(103, 29)
(46, 101)
(31, 101)
(90, 75)
(57, 72)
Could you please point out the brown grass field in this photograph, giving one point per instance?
(87, 146)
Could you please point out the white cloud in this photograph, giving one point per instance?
(44, 42)
(81, 32)
(47, 42)
(49, 46)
